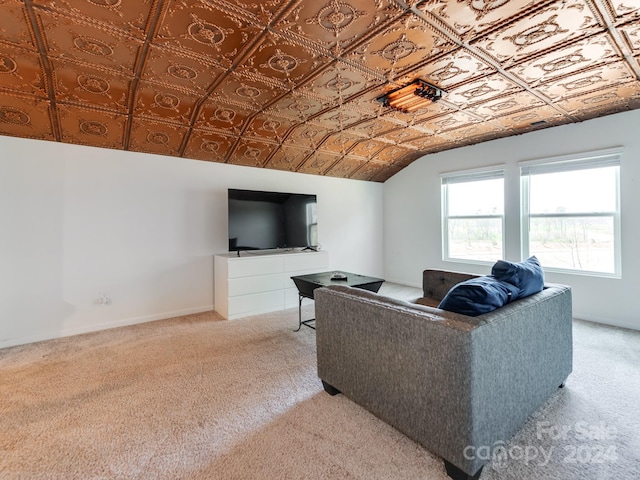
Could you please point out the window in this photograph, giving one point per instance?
(571, 212)
(473, 216)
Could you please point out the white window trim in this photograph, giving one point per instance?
(461, 176)
(565, 163)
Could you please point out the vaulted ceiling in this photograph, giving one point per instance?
(293, 84)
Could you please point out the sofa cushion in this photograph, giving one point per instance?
(527, 276)
(478, 295)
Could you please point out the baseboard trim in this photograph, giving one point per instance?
(68, 332)
(611, 322)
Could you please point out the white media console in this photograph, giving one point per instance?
(252, 283)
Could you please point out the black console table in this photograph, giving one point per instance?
(306, 284)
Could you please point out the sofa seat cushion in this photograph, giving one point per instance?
(527, 276)
(478, 295)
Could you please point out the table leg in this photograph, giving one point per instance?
(299, 314)
(300, 321)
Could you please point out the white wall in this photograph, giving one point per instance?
(412, 211)
(78, 222)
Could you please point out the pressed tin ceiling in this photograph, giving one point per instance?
(292, 84)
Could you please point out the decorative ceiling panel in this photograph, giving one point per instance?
(470, 18)
(294, 85)
(25, 117)
(92, 127)
(251, 153)
(86, 85)
(77, 40)
(288, 157)
(337, 25)
(550, 26)
(20, 71)
(213, 147)
(480, 90)
(14, 25)
(155, 137)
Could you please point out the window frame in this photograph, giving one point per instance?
(464, 176)
(567, 163)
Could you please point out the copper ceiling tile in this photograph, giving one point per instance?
(155, 137)
(91, 127)
(335, 24)
(167, 67)
(338, 118)
(597, 78)
(339, 82)
(508, 105)
(577, 57)
(128, 16)
(82, 41)
(367, 148)
(451, 69)
(20, 71)
(392, 152)
(444, 123)
(405, 43)
(206, 29)
(541, 117)
(403, 134)
(481, 90)
(308, 135)
(469, 18)
(340, 142)
(245, 90)
(375, 127)
(370, 170)
(297, 107)
(25, 117)
(164, 103)
(430, 143)
(631, 32)
(288, 157)
(224, 116)
(90, 86)
(269, 127)
(212, 147)
(616, 98)
(346, 167)
(319, 163)
(366, 102)
(473, 131)
(547, 28)
(251, 153)
(626, 8)
(282, 59)
(15, 26)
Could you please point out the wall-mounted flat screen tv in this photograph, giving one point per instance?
(271, 220)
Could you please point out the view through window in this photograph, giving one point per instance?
(570, 213)
(473, 216)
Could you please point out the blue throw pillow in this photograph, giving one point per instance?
(478, 295)
(527, 276)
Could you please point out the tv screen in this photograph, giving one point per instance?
(271, 220)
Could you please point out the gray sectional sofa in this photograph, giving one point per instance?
(451, 382)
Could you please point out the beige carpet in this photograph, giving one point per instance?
(200, 398)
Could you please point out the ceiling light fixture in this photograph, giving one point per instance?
(418, 94)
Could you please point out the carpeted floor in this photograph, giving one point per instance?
(200, 398)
